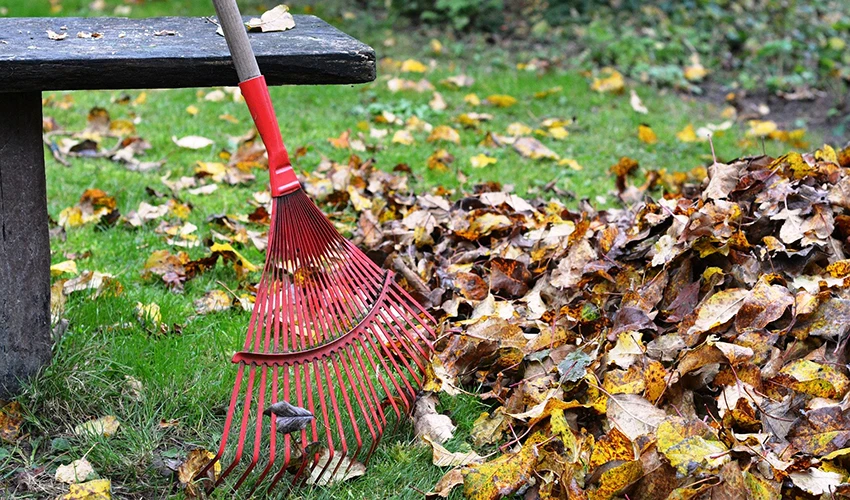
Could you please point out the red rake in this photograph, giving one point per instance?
(335, 348)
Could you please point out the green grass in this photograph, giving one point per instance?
(188, 376)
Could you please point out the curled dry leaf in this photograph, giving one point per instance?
(442, 457)
(446, 484)
(276, 19)
(426, 420)
(288, 417)
(195, 461)
(77, 471)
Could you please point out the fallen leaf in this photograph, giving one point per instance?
(195, 461)
(442, 457)
(213, 301)
(446, 484)
(501, 100)
(413, 66)
(403, 137)
(530, 147)
(11, 420)
(149, 315)
(687, 134)
(104, 426)
(68, 266)
(443, 133)
(504, 475)
(288, 417)
(481, 160)
(646, 134)
(56, 36)
(192, 142)
(633, 415)
(98, 489)
(77, 471)
(636, 103)
(817, 481)
(611, 81)
(101, 283)
(426, 420)
(691, 446)
(616, 479)
(334, 470)
(276, 19)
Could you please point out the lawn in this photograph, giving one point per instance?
(183, 374)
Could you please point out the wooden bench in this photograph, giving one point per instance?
(168, 52)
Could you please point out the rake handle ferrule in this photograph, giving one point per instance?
(281, 175)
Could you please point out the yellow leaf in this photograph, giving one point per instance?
(687, 134)
(827, 154)
(413, 66)
(149, 314)
(518, 128)
(226, 247)
(645, 134)
(436, 46)
(403, 137)
(194, 463)
(690, 446)
(105, 426)
(501, 100)
(98, 489)
(440, 160)
(472, 99)
(559, 133)
(629, 381)
(816, 379)
(192, 109)
(481, 160)
(546, 93)
(10, 421)
(761, 128)
(695, 72)
(504, 475)
(656, 381)
(68, 266)
(559, 425)
(613, 481)
(358, 201)
(612, 446)
(444, 133)
(612, 81)
(569, 162)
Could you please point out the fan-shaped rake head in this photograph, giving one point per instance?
(335, 352)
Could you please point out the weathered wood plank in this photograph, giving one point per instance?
(25, 338)
(141, 53)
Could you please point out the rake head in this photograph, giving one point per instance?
(335, 352)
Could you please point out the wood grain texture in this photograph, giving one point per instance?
(25, 337)
(140, 53)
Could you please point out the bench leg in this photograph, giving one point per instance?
(25, 337)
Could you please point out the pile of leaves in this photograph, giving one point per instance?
(690, 346)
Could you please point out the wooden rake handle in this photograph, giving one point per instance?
(281, 175)
(237, 39)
